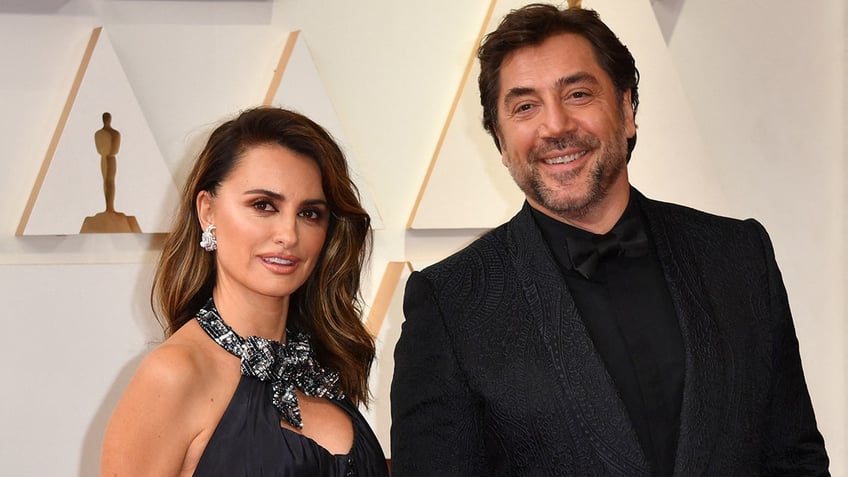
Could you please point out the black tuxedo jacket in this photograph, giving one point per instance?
(495, 373)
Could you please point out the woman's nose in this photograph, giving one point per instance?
(285, 232)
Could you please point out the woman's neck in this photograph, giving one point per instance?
(254, 315)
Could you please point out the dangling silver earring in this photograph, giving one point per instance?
(207, 239)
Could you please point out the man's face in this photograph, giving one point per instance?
(563, 128)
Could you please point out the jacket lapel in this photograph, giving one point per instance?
(704, 405)
(587, 387)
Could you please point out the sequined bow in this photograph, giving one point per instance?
(287, 366)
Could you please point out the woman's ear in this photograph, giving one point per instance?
(203, 204)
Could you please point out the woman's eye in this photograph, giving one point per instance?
(263, 205)
(311, 214)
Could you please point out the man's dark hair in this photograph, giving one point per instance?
(531, 25)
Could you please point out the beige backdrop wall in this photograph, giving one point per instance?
(765, 83)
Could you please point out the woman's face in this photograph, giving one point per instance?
(271, 219)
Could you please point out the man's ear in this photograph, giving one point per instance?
(501, 148)
(203, 204)
(629, 114)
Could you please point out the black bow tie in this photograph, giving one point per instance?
(627, 239)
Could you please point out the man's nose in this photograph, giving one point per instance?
(556, 121)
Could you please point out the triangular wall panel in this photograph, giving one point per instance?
(468, 187)
(298, 86)
(70, 186)
(189, 78)
(176, 57)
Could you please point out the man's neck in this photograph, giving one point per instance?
(600, 217)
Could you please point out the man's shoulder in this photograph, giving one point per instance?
(493, 242)
(674, 213)
(480, 272)
(700, 230)
(491, 254)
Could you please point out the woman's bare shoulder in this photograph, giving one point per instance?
(178, 363)
(164, 408)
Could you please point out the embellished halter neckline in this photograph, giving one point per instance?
(286, 366)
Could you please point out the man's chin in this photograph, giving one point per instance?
(563, 205)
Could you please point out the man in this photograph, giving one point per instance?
(598, 332)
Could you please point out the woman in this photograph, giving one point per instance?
(282, 239)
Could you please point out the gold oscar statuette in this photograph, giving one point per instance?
(108, 141)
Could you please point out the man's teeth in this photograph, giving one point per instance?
(278, 261)
(565, 159)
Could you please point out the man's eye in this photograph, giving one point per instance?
(523, 108)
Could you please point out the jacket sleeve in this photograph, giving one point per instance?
(436, 421)
(793, 444)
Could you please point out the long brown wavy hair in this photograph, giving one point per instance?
(328, 304)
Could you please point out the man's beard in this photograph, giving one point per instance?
(602, 176)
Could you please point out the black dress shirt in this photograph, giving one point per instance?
(630, 317)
